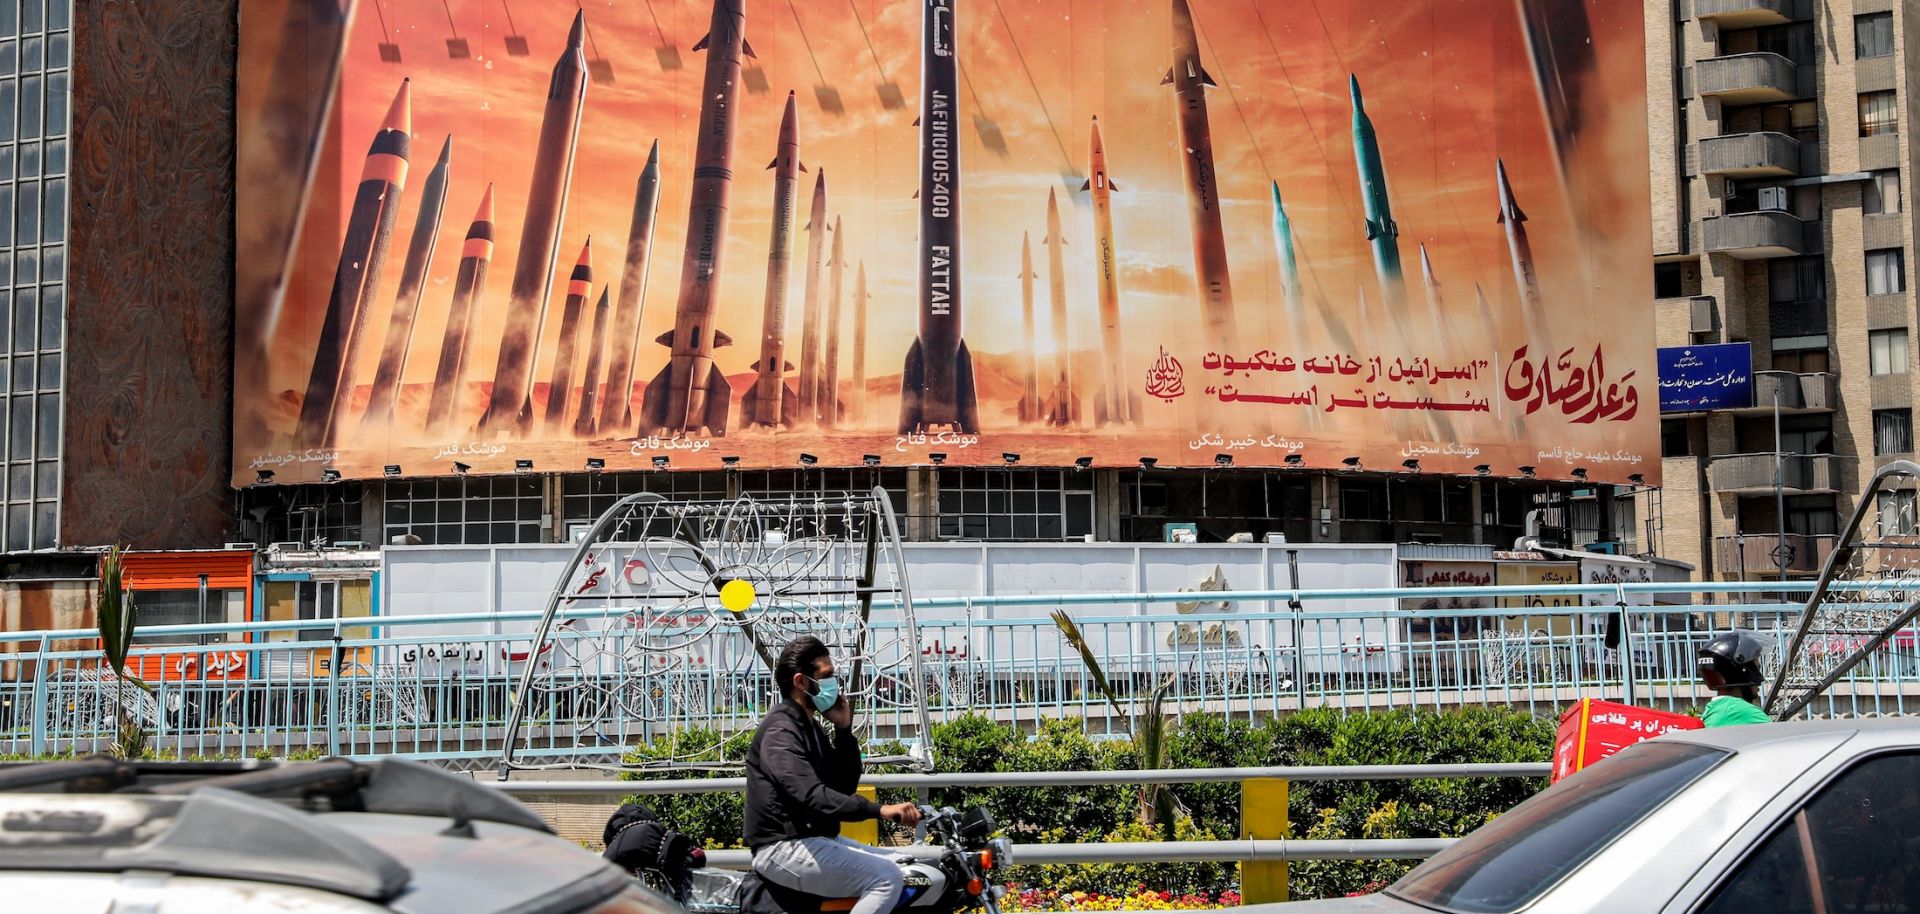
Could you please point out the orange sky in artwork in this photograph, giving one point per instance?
(1446, 83)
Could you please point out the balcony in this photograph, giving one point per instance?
(1813, 392)
(1743, 14)
(1751, 555)
(1752, 474)
(1750, 155)
(1753, 236)
(1746, 79)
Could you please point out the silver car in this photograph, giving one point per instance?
(1817, 817)
(101, 836)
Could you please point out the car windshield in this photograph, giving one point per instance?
(1517, 857)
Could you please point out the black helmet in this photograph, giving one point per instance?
(1735, 656)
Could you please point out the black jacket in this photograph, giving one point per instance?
(798, 784)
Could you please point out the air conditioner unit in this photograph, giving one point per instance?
(1704, 316)
(236, 547)
(1771, 199)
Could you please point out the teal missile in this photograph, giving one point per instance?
(1289, 267)
(1382, 232)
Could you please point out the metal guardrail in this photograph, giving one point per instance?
(1246, 851)
(437, 687)
(940, 781)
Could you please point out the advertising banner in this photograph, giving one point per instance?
(1344, 233)
(1694, 378)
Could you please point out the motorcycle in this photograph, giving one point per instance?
(960, 878)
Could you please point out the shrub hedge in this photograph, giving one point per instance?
(1314, 737)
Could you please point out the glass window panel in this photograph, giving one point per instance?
(6, 163)
(18, 518)
(50, 371)
(53, 301)
(26, 220)
(6, 319)
(30, 105)
(9, 20)
(1887, 351)
(9, 57)
(57, 49)
(1886, 272)
(45, 524)
(26, 304)
(56, 158)
(1880, 193)
(1873, 35)
(58, 16)
(1893, 431)
(20, 429)
(999, 527)
(56, 104)
(53, 262)
(9, 96)
(1878, 113)
(49, 426)
(53, 226)
(22, 374)
(30, 16)
(46, 479)
(32, 51)
(29, 159)
(19, 481)
(6, 216)
(26, 266)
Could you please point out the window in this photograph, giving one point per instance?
(1809, 515)
(1873, 35)
(456, 510)
(1886, 271)
(1896, 509)
(1887, 351)
(1893, 431)
(1797, 299)
(1794, 41)
(199, 606)
(1507, 863)
(1880, 194)
(586, 496)
(1848, 846)
(1669, 280)
(1807, 433)
(1014, 504)
(1878, 114)
(1799, 361)
(1675, 441)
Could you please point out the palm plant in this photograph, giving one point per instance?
(117, 617)
(1157, 804)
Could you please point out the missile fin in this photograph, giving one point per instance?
(789, 368)
(773, 164)
(701, 45)
(653, 403)
(1373, 230)
(913, 379)
(665, 339)
(1087, 184)
(1168, 79)
(747, 47)
(721, 339)
(966, 404)
(719, 402)
(1112, 186)
(1206, 79)
(802, 165)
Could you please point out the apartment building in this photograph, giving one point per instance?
(1782, 185)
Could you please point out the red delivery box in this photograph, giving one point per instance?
(1592, 730)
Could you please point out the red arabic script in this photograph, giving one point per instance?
(1583, 392)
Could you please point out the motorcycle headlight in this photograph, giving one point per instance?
(1002, 851)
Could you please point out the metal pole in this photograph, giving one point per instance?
(1779, 491)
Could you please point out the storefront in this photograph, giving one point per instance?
(316, 586)
(197, 587)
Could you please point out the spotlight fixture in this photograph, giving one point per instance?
(807, 460)
(1527, 472)
(731, 462)
(1637, 479)
(460, 469)
(660, 461)
(1083, 463)
(523, 466)
(1296, 460)
(1351, 463)
(872, 460)
(1412, 464)
(1010, 457)
(1580, 473)
(391, 470)
(1223, 460)
(1483, 469)
(937, 457)
(1148, 463)
(263, 477)
(596, 464)
(330, 475)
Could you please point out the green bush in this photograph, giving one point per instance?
(713, 820)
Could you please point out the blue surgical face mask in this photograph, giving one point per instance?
(827, 694)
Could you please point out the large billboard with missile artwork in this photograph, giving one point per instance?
(1343, 234)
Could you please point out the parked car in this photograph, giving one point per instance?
(1821, 816)
(332, 837)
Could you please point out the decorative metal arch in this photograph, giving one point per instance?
(814, 562)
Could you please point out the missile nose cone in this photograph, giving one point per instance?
(1276, 195)
(485, 212)
(586, 254)
(653, 157)
(577, 35)
(1353, 93)
(446, 150)
(400, 113)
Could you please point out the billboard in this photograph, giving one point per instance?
(1289, 234)
(1694, 378)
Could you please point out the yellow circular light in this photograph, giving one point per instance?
(736, 595)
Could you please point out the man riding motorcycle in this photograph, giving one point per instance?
(801, 787)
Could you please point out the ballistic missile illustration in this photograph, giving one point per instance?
(579, 289)
(1290, 285)
(511, 405)
(691, 393)
(1029, 409)
(1382, 232)
(1063, 408)
(1114, 403)
(772, 401)
(1560, 47)
(596, 351)
(1525, 280)
(810, 313)
(616, 411)
(1436, 304)
(406, 302)
(469, 285)
(1190, 83)
(936, 388)
(369, 229)
(830, 404)
(857, 401)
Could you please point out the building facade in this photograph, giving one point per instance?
(1781, 163)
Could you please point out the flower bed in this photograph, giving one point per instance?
(1142, 899)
